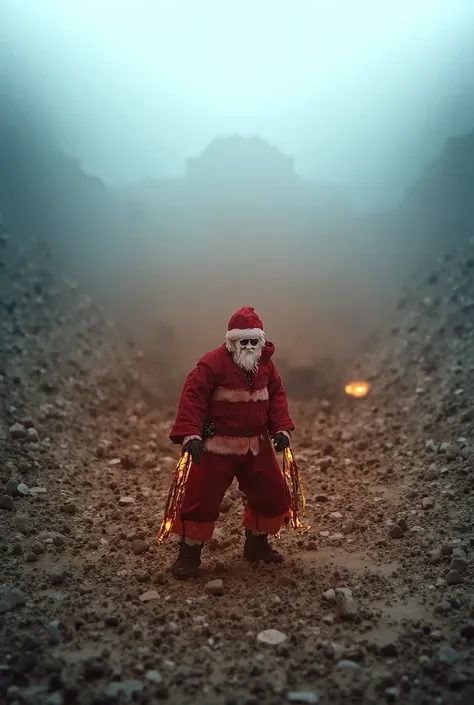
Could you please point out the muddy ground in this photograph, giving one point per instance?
(375, 604)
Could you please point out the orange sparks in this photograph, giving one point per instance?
(357, 389)
(296, 488)
(175, 496)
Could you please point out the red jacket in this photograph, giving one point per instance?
(241, 407)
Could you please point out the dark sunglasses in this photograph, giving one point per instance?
(253, 342)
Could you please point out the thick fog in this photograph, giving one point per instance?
(185, 158)
(361, 93)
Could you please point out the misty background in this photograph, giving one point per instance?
(182, 159)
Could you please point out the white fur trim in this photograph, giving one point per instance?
(240, 395)
(190, 438)
(242, 333)
(227, 445)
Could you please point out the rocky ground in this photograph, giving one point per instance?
(375, 604)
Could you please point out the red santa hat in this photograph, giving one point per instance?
(245, 324)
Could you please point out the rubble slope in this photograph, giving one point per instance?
(374, 604)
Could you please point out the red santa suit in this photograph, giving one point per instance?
(247, 410)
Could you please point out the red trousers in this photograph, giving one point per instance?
(260, 479)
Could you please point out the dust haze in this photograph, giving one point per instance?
(184, 159)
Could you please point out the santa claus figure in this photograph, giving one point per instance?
(232, 416)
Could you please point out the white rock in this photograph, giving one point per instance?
(307, 697)
(271, 637)
(22, 489)
(329, 596)
(149, 595)
(35, 491)
(343, 591)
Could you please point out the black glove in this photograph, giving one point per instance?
(281, 441)
(194, 448)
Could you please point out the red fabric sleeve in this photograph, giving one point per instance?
(278, 414)
(193, 404)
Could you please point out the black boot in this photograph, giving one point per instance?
(258, 549)
(187, 564)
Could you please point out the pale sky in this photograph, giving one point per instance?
(361, 93)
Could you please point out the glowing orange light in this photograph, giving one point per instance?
(175, 496)
(357, 389)
(296, 488)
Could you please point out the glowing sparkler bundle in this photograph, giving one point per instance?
(175, 496)
(296, 488)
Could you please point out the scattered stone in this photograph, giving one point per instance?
(428, 502)
(126, 501)
(215, 587)
(10, 488)
(453, 577)
(435, 556)
(53, 632)
(447, 549)
(36, 491)
(450, 450)
(127, 462)
(448, 655)
(459, 562)
(392, 694)
(149, 461)
(346, 608)
(346, 665)
(6, 502)
(17, 431)
(149, 595)
(154, 677)
(307, 697)
(31, 435)
(69, 508)
(22, 490)
(111, 621)
(389, 650)
(455, 603)
(58, 575)
(139, 547)
(402, 523)
(467, 632)
(17, 549)
(330, 596)
(396, 532)
(14, 599)
(271, 637)
(348, 527)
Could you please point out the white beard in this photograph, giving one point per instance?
(247, 359)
